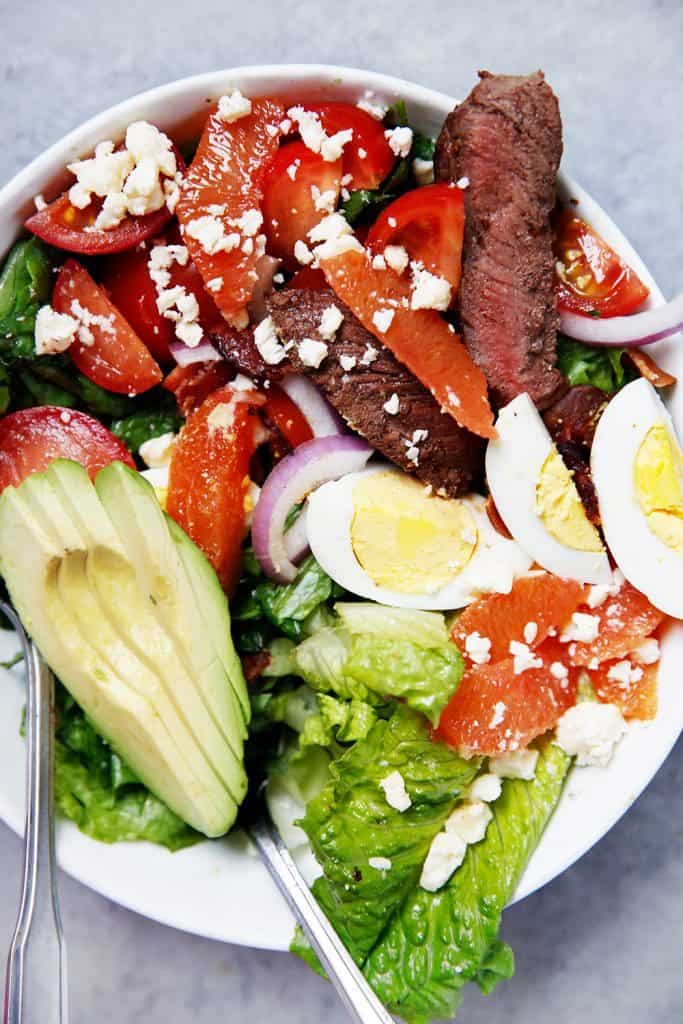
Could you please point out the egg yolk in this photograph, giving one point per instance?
(406, 540)
(559, 506)
(658, 470)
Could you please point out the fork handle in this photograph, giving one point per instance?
(35, 991)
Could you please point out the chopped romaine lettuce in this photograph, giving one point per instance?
(144, 424)
(601, 367)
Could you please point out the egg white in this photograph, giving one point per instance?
(644, 559)
(495, 563)
(514, 460)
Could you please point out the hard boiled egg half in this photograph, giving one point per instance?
(537, 498)
(637, 469)
(381, 535)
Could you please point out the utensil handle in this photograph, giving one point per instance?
(35, 991)
(351, 986)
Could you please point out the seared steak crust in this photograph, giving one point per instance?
(506, 139)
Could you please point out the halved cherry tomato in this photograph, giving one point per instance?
(127, 280)
(281, 411)
(116, 359)
(311, 278)
(590, 277)
(66, 227)
(192, 384)
(429, 222)
(31, 439)
(209, 477)
(421, 339)
(225, 182)
(367, 157)
(289, 210)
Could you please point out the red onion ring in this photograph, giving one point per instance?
(625, 331)
(310, 465)
(204, 352)
(323, 420)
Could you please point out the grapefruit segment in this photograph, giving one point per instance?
(625, 620)
(632, 687)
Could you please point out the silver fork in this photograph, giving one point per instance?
(352, 988)
(35, 987)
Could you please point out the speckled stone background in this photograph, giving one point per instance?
(603, 943)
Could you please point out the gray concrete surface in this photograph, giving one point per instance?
(603, 942)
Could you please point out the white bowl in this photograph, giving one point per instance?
(219, 889)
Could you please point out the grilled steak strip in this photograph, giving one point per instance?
(449, 459)
(571, 422)
(506, 139)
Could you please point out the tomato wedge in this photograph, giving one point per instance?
(225, 183)
(192, 384)
(31, 439)
(421, 339)
(293, 180)
(131, 289)
(429, 222)
(281, 411)
(116, 359)
(209, 477)
(590, 277)
(309, 277)
(367, 158)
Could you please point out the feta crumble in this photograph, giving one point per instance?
(395, 792)
(54, 332)
(478, 648)
(312, 352)
(369, 356)
(429, 291)
(302, 254)
(293, 168)
(648, 653)
(396, 257)
(392, 405)
(372, 106)
(625, 674)
(331, 320)
(233, 106)
(445, 855)
(516, 764)
(382, 318)
(590, 731)
(380, 863)
(156, 452)
(209, 231)
(423, 171)
(347, 363)
(314, 136)
(582, 628)
(498, 716)
(324, 202)
(378, 262)
(523, 658)
(530, 632)
(332, 226)
(268, 343)
(462, 182)
(559, 671)
(400, 140)
(487, 787)
(470, 821)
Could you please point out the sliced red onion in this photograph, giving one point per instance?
(626, 331)
(204, 352)
(323, 420)
(296, 538)
(310, 465)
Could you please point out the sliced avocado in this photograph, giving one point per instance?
(188, 598)
(112, 575)
(77, 589)
(30, 561)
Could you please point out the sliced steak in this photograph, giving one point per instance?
(571, 422)
(449, 458)
(506, 139)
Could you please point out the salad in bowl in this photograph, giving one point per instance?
(331, 460)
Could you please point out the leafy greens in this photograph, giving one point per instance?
(601, 367)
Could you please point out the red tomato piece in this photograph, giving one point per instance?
(226, 175)
(209, 477)
(281, 411)
(116, 359)
(192, 384)
(635, 696)
(429, 223)
(495, 710)
(31, 439)
(289, 210)
(309, 277)
(129, 285)
(419, 338)
(625, 620)
(367, 157)
(590, 277)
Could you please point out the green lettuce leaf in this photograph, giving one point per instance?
(24, 288)
(601, 367)
(438, 941)
(287, 606)
(351, 821)
(144, 424)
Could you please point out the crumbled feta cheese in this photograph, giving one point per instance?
(498, 716)
(362, 153)
(156, 452)
(331, 320)
(278, 278)
(369, 356)
(347, 179)
(100, 175)
(462, 182)
(221, 417)
(516, 764)
(423, 171)
(392, 405)
(332, 147)
(395, 792)
(382, 318)
(523, 658)
(478, 648)
(54, 332)
(347, 363)
(599, 592)
(369, 103)
(582, 628)
(209, 231)
(215, 284)
(648, 653)
(413, 454)
(429, 291)
(486, 787)
(86, 320)
(392, 222)
(396, 257)
(559, 671)
(530, 632)
(380, 863)
(268, 343)
(470, 821)
(314, 136)
(302, 254)
(242, 383)
(446, 854)
(337, 247)
(590, 731)
(332, 226)
(324, 202)
(293, 168)
(378, 262)
(400, 140)
(233, 106)
(625, 674)
(312, 352)
(249, 222)
(161, 259)
(176, 304)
